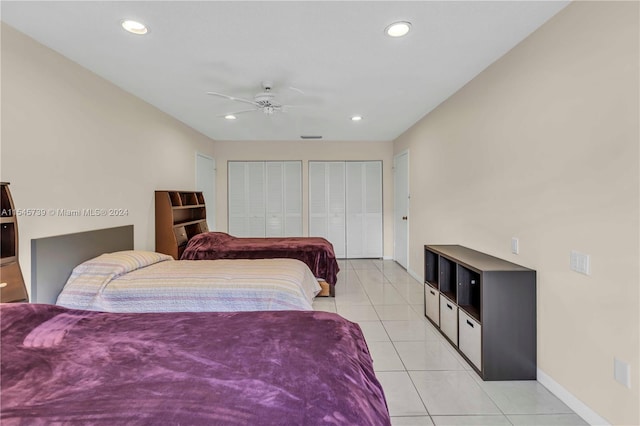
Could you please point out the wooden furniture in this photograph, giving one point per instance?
(485, 307)
(12, 288)
(179, 216)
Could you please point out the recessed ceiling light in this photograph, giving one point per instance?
(356, 118)
(134, 27)
(398, 29)
(230, 117)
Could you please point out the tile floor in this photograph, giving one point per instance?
(425, 381)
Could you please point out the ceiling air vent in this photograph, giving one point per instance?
(310, 137)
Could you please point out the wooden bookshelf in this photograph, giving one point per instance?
(12, 287)
(179, 216)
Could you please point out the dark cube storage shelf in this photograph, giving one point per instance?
(492, 320)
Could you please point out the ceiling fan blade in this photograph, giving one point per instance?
(233, 98)
(239, 112)
(295, 89)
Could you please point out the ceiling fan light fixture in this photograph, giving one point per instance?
(134, 27)
(230, 117)
(398, 29)
(356, 118)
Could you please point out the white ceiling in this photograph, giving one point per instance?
(334, 51)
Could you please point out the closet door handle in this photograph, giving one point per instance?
(449, 306)
(470, 323)
(432, 292)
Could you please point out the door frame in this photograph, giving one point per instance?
(395, 230)
(211, 205)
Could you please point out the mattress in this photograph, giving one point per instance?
(139, 281)
(64, 366)
(317, 253)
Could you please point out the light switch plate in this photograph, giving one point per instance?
(515, 245)
(580, 262)
(622, 372)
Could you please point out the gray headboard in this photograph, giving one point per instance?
(53, 258)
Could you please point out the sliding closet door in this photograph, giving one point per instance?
(246, 210)
(372, 206)
(355, 210)
(345, 206)
(292, 204)
(284, 198)
(265, 198)
(327, 203)
(364, 209)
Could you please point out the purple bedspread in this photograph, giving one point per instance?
(316, 252)
(217, 368)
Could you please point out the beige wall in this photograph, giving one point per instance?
(71, 140)
(543, 146)
(305, 151)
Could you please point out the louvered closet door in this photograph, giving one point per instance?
(318, 206)
(327, 203)
(246, 210)
(237, 209)
(292, 199)
(265, 198)
(364, 209)
(283, 199)
(372, 180)
(274, 226)
(355, 210)
(256, 198)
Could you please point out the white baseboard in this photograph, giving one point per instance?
(387, 258)
(571, 401)
(414, 275)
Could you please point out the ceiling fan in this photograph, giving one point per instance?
(264, 101)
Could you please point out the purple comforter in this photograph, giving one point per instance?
(224, 368)
(316, 252)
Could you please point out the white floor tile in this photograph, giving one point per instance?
(363, 264)
(374, 331)
(524, 397)
(411, 421)
(431, 355)
(385, 296)
(547, 420)
(357, 313)
(355, 298)
(471, 420)
(402, 397)
(452, 393)
(398, 313)
(400, 331)
(319, 304)
(385, 357)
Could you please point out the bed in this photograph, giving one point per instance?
(63, 366)
(316, 252)
(143, 281)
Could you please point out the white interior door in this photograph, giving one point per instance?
(206, 183)
(401, 207)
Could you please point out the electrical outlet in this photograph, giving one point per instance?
(580, 262)
(515, 245)
(622, 372)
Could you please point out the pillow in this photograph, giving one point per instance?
(119, 263)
